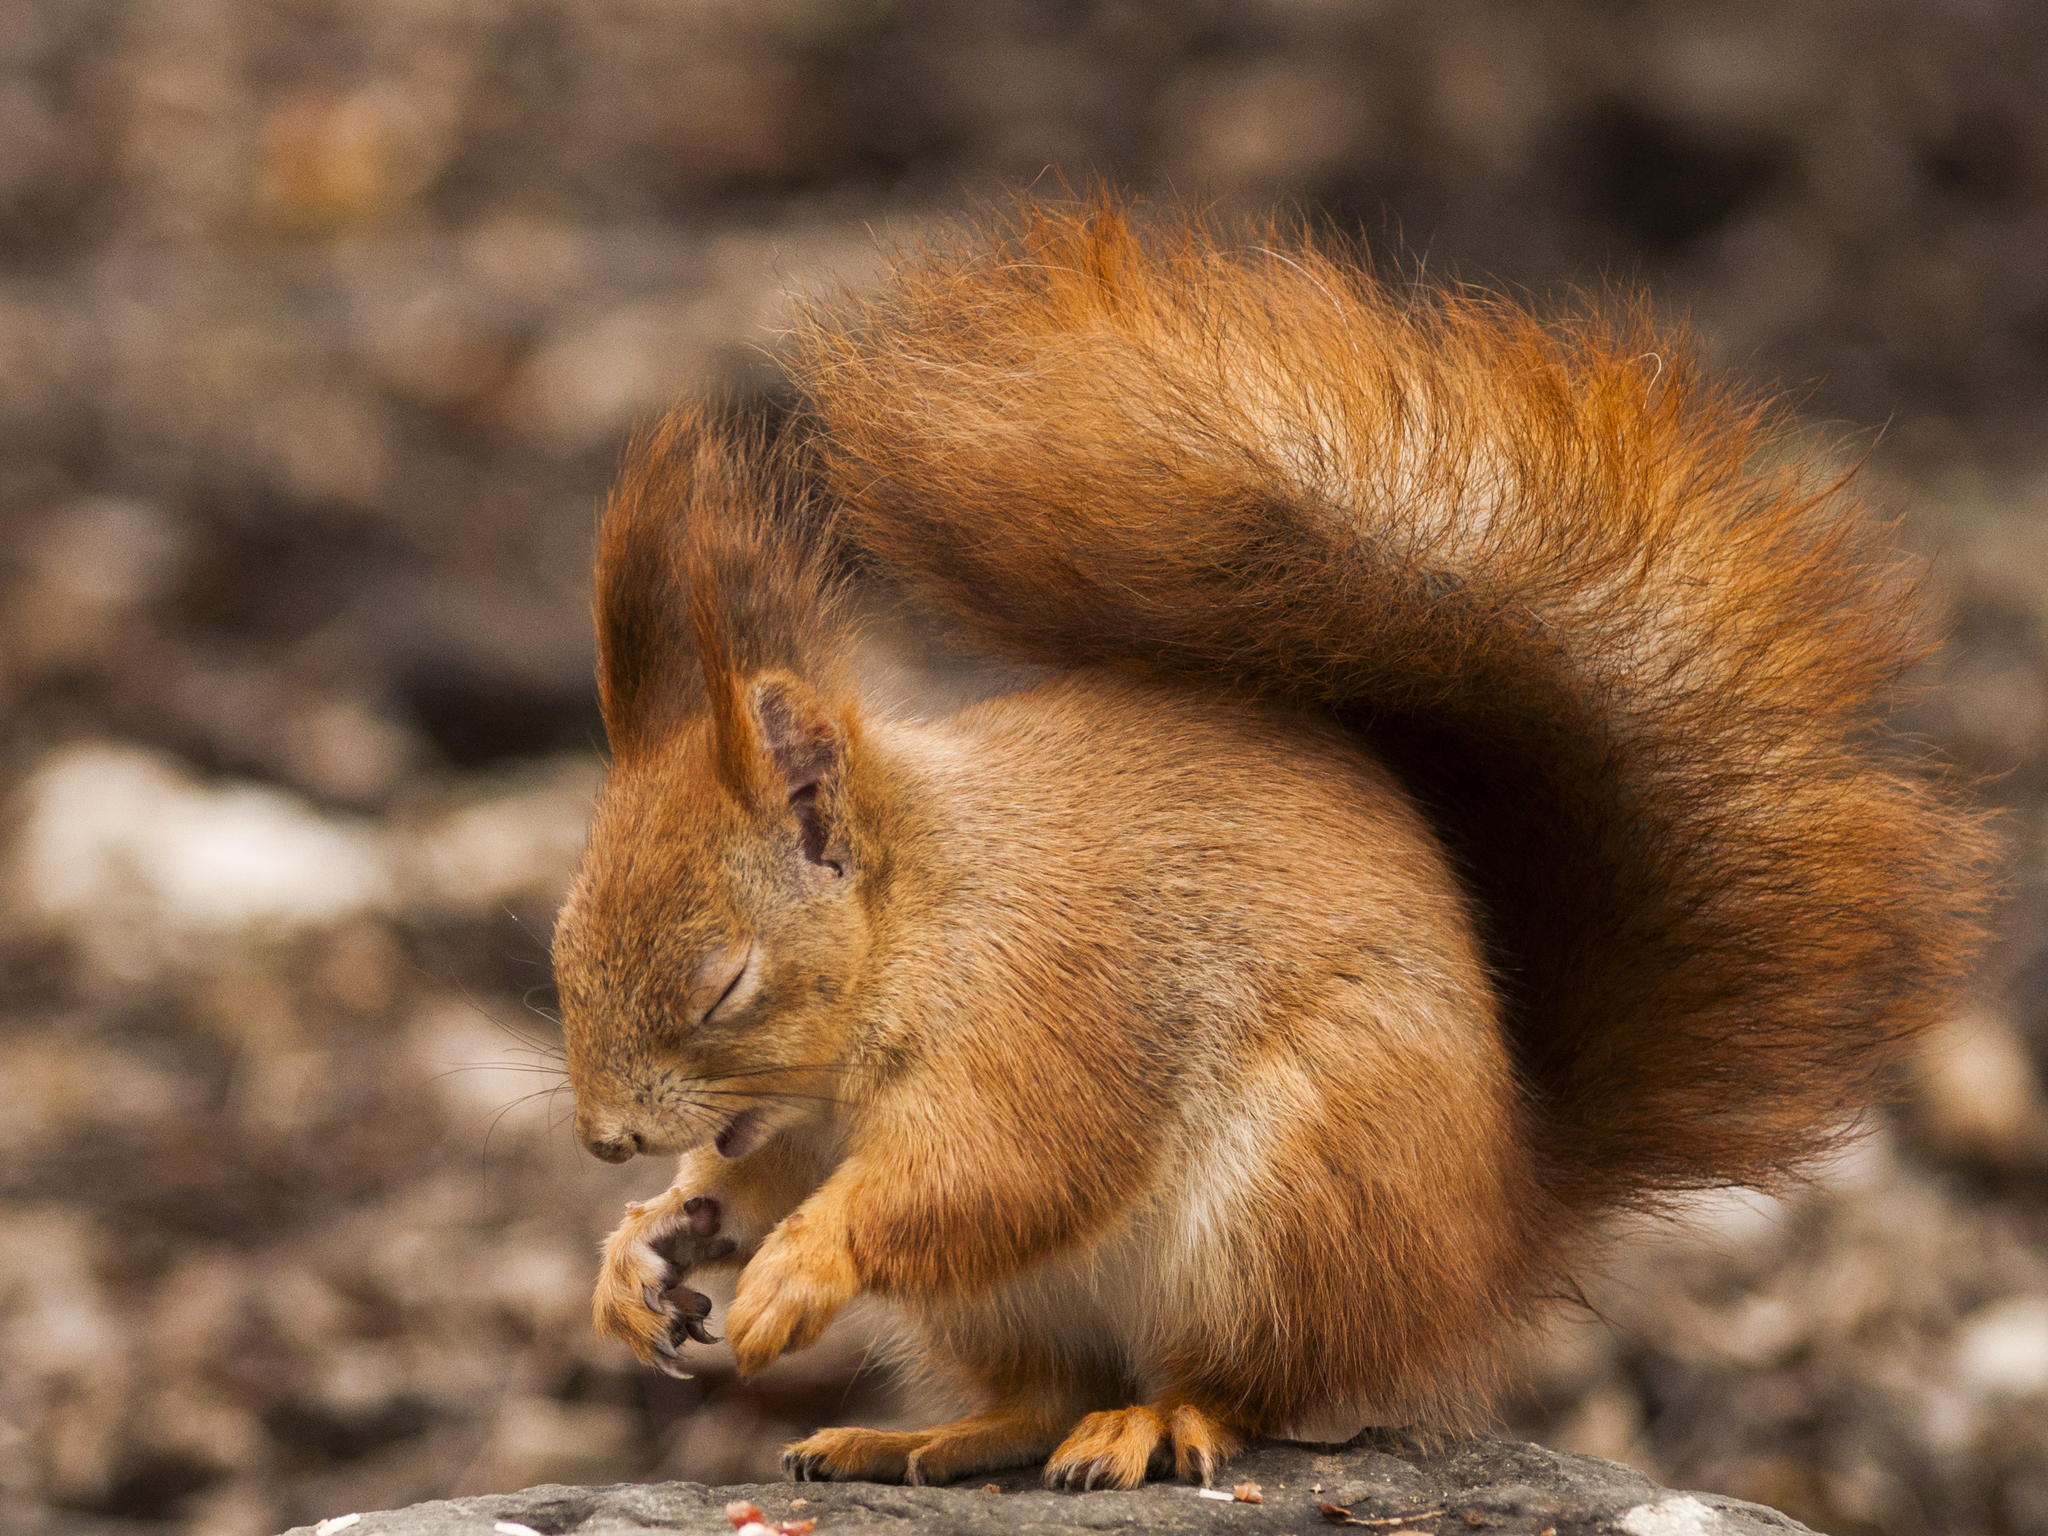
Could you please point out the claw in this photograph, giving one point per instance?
(665, 1347)
(689, 1309)
(651, 1294)
(693, 1305)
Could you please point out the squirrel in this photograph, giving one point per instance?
(1452, 806)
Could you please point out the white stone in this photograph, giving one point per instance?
(1680, 1516)
(2003, 1348)
(135, 859)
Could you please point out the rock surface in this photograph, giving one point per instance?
(1390, 1485)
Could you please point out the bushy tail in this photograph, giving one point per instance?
(1630, 653)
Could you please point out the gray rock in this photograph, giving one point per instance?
(1392, 1485)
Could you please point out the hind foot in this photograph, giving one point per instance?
(987, 1442)
(1119, 1448)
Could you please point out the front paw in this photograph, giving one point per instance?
(791, 1289)
(640, 1298)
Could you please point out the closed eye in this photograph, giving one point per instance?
(731, 989)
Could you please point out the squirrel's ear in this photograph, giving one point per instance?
(803, 745)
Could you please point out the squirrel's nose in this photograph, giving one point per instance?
(616, 1148)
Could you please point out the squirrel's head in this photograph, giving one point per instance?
(707, 952)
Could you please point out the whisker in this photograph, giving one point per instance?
(533, 1043)
(526, 928)
(720, 1077)
(525, 1098)
(497, 1066)
(770, 1093)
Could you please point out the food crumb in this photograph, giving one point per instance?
(1248, 1493)
(747, 1520)
(991, 1488)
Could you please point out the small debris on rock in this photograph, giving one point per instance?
(513, 1528)
(334, 1523)
(1248, 1493)
(1211, 1493)
(1337, 1514)
(991, 1488)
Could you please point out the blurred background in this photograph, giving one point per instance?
(321, 324)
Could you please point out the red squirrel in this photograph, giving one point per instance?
(1453, 806)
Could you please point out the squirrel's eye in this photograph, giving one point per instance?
(742, 976)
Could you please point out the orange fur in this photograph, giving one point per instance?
(1459, 810)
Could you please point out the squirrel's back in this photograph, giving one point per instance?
(1632, 656)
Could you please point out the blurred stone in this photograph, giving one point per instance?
(1977, 1093)
(2002, 1348)
(137, 862)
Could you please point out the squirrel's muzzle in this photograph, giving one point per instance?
(618, 1147)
